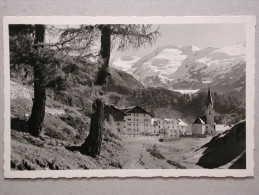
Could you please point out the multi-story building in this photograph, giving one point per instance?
(137, 120)
(170, 127)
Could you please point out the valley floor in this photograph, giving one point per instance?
(30, 153)
(178, 153)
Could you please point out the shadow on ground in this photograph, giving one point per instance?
(19, 124)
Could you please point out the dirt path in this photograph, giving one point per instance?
(136, 156)
(180, 152)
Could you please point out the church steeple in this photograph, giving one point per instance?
(209, 99)
(210, 113)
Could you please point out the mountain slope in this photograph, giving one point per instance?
(122, 82)
(227, 148)
(191, 68)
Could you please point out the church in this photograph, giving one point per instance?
(205, 124)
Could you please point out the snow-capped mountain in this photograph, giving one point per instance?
(124, 63)
(188, 68)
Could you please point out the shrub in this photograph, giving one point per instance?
(109, 130)
(176, 164)
(116, 164)
(154, 151)
(56, 133)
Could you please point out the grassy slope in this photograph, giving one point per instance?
(64, 126)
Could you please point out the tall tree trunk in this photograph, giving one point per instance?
(93, 142)
(103, 73)
(36, 119)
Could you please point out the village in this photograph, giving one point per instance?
(136, 121)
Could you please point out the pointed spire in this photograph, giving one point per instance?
(209, 98)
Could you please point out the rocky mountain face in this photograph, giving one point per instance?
(190, 68)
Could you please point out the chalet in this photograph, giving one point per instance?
(172, 123)
(205, 124)
(117, 115)
(137, 120)
(158, 125)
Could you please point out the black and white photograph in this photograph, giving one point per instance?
(129, 96)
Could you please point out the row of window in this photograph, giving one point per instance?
(145, 119)
(129, 129)
(137, 115)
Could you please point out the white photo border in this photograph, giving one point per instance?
(250, 22)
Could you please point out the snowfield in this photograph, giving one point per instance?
(187, 91)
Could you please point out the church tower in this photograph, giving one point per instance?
(209, 110)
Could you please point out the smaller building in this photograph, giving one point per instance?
(199, 126)
(158, 125)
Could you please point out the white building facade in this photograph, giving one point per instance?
(137, 121)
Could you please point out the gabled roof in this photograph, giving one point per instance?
(135, 109)
(116, 113)
(170, 119)
(127, 108)
(161, 119)
(200, 120)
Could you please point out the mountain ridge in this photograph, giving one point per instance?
(191, 68)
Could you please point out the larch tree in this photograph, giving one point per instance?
(36, 119)
(26, 42)
(27, 47)
(118, 36)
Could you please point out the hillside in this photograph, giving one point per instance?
(65, 128)
(227, 148)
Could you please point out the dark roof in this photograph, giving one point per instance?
(209, 98)
(117, 114)
(200, 120)
(135, 109)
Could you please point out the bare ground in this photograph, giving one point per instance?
(179, 153)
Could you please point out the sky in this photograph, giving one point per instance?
(199, 35)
